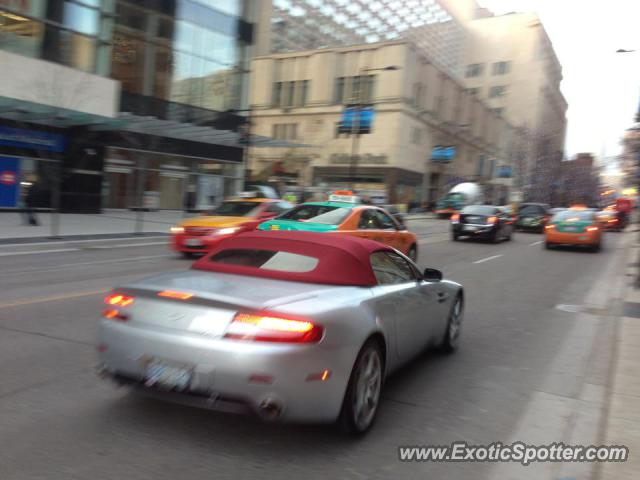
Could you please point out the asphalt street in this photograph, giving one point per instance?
(536, 332)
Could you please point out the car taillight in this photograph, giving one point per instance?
(118, 300)
(175, 294)
(549, 227)
(592, 229)
(492, 220)
(455, 218)
(264, 327)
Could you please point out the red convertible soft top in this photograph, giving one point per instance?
(342, 259)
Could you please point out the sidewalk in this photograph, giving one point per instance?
(623, 416)
(111, 222)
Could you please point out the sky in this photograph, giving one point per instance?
(601, 87)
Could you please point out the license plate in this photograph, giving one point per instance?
(275, 227)
(469, 228)
(166, 376)
(193, 242)
(571, 229)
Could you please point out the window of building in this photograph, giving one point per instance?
(497, 91)
(277, 94)
(304, 92)
(284, 131)
(472, 91)
(501, 68)
(339, 91)
(415, 136)
(20, 35)
(474, 70)
(289, 92)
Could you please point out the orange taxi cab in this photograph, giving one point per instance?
(344, 213)
(575, 226)
(231, 217)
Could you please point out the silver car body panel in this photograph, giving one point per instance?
(189, 334)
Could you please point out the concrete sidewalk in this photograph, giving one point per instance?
(623, 416)
(114, 222)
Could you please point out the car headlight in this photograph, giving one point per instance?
(227, 231)
(177, 229)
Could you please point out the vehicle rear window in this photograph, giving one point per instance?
(532, 210)
(267, 260)
(325, 214)
(237, 209)
(573, 216)
(479, 210)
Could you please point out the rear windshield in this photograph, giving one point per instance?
(266, 260)
(479, 210)
(237, 209)
(573, 216)
(326, 214)
(532, 210)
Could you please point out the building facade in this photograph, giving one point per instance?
(301, 96)
(122, 104)
(511, 64)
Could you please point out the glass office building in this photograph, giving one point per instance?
(182, 69)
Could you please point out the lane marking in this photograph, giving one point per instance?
(55, 242)
(35, 252)
(55, 268)
(488, 258)
(536, 243)
(51, 298)
(126, 245)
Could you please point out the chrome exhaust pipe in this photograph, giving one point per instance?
(270, 409)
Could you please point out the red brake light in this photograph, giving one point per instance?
(492, 220)
(175, 295)
(265, 327)
(118, 300)
(115, 314)
(549, 227)
(592, 229)
(455, 218)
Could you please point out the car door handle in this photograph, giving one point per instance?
(441, 297)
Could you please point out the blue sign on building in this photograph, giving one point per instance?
(357, 119)
(504, 171)
(443, 154)
(31, 139)
(9, 181)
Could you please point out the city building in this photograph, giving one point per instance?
(579, 182)
(122, 104)
(630, 158)
(301, 96)
(510, 63)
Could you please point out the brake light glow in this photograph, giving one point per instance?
(118, 300)
(175, 295)
(268, 328)
(549, 227)
(115, 314)
(492, 220)
(592, 229)
(455, 218)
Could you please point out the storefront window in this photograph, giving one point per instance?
(77, 51)
(128, 54)
(20, 35)
(230, 7)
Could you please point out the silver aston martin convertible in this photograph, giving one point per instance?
(294, 326)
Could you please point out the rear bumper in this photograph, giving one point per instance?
(479, 232)
(223, 371)
(564, 238)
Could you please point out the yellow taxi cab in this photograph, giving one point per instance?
(231, 217)
(577, 225)
(344, 213)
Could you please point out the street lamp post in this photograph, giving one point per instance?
(355, 124)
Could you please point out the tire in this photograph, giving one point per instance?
(455, 237)
(362, 398)
(596, 248)
(510, 235)
(188, 255)
(413, 253)
(548, 245)
(451, 340)
(494, 238)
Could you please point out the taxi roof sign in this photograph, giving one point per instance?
(345, 196)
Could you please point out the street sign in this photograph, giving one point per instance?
(357, 119)
(443, 154)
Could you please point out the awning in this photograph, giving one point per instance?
(38, 113)
(149, 125)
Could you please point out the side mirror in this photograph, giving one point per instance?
(432, 275)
